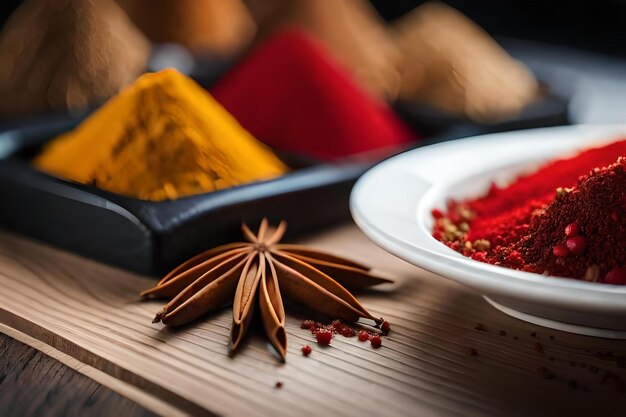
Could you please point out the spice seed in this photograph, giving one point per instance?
(323, 337)
(376, 341)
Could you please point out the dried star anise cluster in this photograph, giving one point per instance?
(257, 272)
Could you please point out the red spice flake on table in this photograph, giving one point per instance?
(278, 385)
(307, 324)
(539, 347)
(364, 336)
(376, 341)
(323, 337)
(568, 218)
(306, 350)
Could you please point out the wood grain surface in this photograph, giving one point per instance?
(449, 352)
(31, 383)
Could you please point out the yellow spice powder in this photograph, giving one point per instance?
(164, 137)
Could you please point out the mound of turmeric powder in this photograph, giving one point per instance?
(164, 137)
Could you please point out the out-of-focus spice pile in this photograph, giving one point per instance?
(351, 31)
(66, 54)
(566, 219)
(162, 138)
(328, 64)
(219, 28)
(290, 93)
(452, 64)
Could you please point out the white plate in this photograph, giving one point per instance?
(392, 202)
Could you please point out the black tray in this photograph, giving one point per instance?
(551, 109)
(149, 237)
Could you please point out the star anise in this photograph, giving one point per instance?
(261, 267)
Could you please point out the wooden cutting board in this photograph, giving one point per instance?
(426, 366)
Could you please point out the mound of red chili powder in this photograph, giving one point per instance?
(567, 219)
(290, 93)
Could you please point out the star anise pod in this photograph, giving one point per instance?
(262, 268)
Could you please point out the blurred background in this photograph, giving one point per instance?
(574, 49)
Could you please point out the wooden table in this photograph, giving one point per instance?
(449, 352)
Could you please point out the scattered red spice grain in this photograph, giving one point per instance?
(306, 350)
(324, 333)
(376, 341)
(533, 334)
(347, 331)
(307, 324)
(323, 337)
(472, 352)
(480, 327)
(278, 385)
(364, 336)
(568, 218)
(539, 347)
(385, 327)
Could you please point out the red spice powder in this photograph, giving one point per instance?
(568, 219)
(292, 94)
